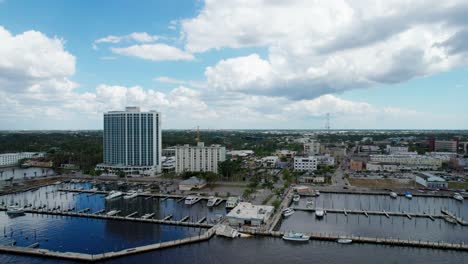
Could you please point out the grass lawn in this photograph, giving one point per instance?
(379, 183)
(458, 185)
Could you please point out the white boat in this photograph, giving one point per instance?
(310, 204)
(296, 198)
(14, 210)
(113, 195)
(57, 182)
(212, 201)
(458, 197)
(317, 193)
(93, 189)
(296, 237)
(232, 202)
(393, 195)
(112, 212)
(344, 241)
(146, 216)
(319, 212)
(408, 195)
(287, 212)
(131, 194)
(191, 199)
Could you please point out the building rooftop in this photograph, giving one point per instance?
(430, 177)
(249, 211)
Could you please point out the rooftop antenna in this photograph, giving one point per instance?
(327, 122)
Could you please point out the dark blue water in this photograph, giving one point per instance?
(274, 250)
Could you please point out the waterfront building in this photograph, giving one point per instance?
(249, 214)
(308, 163)
(311, 148)
(132, 142)
(199, 157)
(430, 180)
(13, 159)
(408, 161)
(192, 183)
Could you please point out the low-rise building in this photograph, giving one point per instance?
(431, 181)
(269, 161)
(192, 183)
(13, 159)
(311, 179)
(356, 165)
(396, 149)
(311, 148)
(381, 166)
(285, 153)
(308, 163)
(409, 162)
(240, 153)
(249, 214)
(326, 159)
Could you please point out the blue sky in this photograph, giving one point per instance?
(225, 64)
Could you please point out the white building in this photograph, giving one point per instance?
(249, 214)
(379, 166)
(408, 161)
(311, 148)
(12, 159)
(397, 149)
(326, 159)
(199, 157)
(431, 181)
(132, 141)
(168, 163)
(240, 153)
(305, 163)
(269, 161)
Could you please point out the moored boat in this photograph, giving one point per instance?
(112, 212)
(317, 193)
(14, 210)
(212, 201)
(458, 197)
(408, 195)
(287, 212)
(232, 202)
(296, 198)
(319, 212)
(113, 195)
(296, 237)
(191, 200)
(393, 195)
(131, 194)
(344, 241)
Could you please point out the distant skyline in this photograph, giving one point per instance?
(235, 64)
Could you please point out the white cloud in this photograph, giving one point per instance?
(154, 52)
(165, 79)
(135, 36)
(321, 47)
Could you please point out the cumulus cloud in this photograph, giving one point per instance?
(135, 36)
(320, 47)
(154, 52)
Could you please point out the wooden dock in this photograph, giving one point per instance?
(367, 213)
(107, 255)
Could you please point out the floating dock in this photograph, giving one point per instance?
(367, 213)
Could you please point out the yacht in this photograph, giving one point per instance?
(344, 241)
(287, 212)
(232, 202)
(191, 199)
(458, 197)
(408, 195)
(393, 195)
(146, 216)
(296, 237)
(319, 212)
(296, 198)
(14, 210)
(131, 194)
(212, 201)
(113, 195)
(112, 212)
(317, 193)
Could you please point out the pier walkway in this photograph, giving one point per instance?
(366, 213)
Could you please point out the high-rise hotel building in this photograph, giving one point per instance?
(132, 141)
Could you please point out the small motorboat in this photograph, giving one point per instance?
(319, 212)
(131, 194)
(287, 212)
(296, 198)
(191, 200)
(458, 197)
(112, 212)
(317, 193)
(147, 216)
(14, 210)
(296, 237)
(212, 201)
(408, 195)
(393, 195)
(344, 241)
(113, 195)
(232, 202)
(310, 204)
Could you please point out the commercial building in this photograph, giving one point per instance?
(311, 148)
(132, 141)
(269, 161)
(369, 149)
(249, 214)
(443, 145)
(381, 166)
(431, 181)
(168, 152)
(356, 165)
(285, 153)
(305, 163)
(326, 159)
(192, 183)
(408, 162)
(12, 159)
(397, 149)
(199, 157)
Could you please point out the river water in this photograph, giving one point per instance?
(95, 235)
